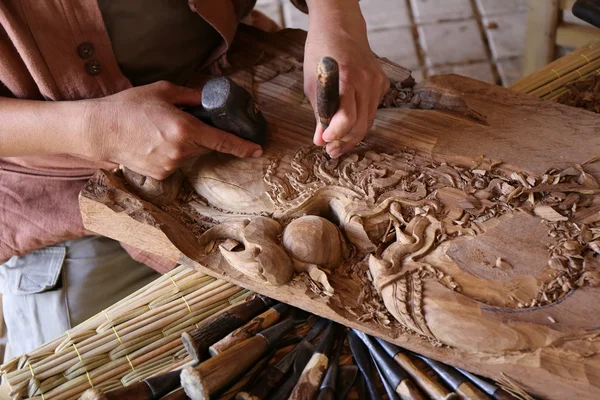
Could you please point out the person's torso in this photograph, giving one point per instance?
(157, 39)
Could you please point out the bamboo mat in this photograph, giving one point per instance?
(134, 339)
(551, 82)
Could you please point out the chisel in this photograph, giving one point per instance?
(256, 324)
(248, 377)
(392, 373)
(310, 378)
(215, 373)
(428, 382)
(457, 381)
(328, 386)
(328, 94)
(365, 364)
(493, 390)
(389, 390)
(275, 373)
(217, 326)
(283, 390)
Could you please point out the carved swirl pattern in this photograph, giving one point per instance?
(397, 208)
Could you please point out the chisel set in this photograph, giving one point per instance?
(261, 349)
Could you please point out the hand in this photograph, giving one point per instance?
(143, 129)
(338, 30)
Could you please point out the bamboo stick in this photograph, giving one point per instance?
(574, 60)
(129, 341)
(107, 341)
(565, 79)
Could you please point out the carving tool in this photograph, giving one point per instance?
(248, 378)
(458, 382)
(275, 373)
(328, 90)
(304, 355)
(217, 372)
(391, 372)
(389, 390)
(328, 93)
(256, 324)
(346, 376)
(428, 382)
(215, 327)
(328, 386)
(365, 364)
(178, 394)
(488, 387)
(310, 378)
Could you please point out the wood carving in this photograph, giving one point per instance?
(466, 227)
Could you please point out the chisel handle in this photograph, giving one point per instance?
(260, 392)
(310, 379)
(213, 374)
(468, 391)
(217, 326)
(178, 394)
(429, 383)
(328, 90)
(257, 324)
(326, 394)
(408, 391)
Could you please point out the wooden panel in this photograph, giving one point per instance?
(550, 350)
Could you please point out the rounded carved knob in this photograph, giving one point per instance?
(314, 240)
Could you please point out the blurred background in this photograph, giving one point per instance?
(481, 39)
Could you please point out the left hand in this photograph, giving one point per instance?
(338, 30)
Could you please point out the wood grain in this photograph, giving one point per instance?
(482, 330)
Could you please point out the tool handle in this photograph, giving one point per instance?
(408, 391)
(262, 388)
(468, 391)
(328, 90)
(425, 378)
(217, 326)
(178, 394)
(136, 391)
(216, 372)
(500, 394)
(326, 394)
(256, 324)
(310, 379)
(249, 377)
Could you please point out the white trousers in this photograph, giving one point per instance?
(51, 290)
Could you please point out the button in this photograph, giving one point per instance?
(93, 67)
(85, 50)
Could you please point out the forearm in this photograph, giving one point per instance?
(335, 14)
(29, 127)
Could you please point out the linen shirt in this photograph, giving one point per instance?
(60, 50)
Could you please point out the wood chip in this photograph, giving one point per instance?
(548, 213)
(551, 319)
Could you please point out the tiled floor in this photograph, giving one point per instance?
(482, 39)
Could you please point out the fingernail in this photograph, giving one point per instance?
(257, 153)
(335, 153)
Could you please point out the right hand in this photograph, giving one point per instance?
(143, 129)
